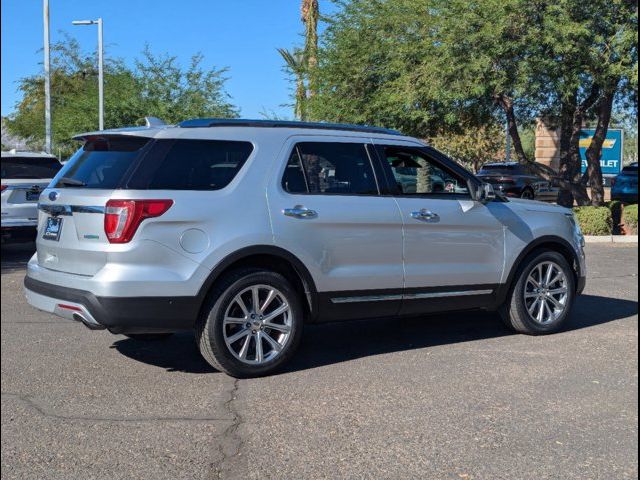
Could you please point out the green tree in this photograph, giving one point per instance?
(156, 86)
(429, 67)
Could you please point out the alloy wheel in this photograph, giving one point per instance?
(546, 292)
(257, 324)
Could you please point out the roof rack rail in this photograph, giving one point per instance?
(237, 122)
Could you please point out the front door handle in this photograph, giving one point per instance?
(300, 212)
(425, 215)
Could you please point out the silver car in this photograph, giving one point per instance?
(243, 231)
(24, 176)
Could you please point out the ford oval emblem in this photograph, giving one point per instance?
(53, 196)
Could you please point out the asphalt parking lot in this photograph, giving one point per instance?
(447, 397)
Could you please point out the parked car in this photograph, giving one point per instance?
(624, 187)
(518, 180)
(24, 176)
(246, 230)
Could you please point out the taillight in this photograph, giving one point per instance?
(3, 188)
(613, 182)
(123, 217)
(506, 180)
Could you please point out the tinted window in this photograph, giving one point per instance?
(630, 170)
(501, 170)
(29, 167)
(330, 168)
(192, 165)
(101, 163)
(417, 174)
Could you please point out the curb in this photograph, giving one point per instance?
(611, 238)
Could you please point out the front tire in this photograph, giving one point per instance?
(252, 324)
(540, 301)
(528, 194)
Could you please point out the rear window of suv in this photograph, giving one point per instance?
(101, 162)
(15, 168)
(147, 164)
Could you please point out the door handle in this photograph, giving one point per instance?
(299, 212)
(425, 215)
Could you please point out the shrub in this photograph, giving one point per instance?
(630, 219)
(594, 220)
(616, 212)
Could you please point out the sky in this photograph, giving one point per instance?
(242, 35)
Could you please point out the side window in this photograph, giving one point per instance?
(329, 168)
(416, 174)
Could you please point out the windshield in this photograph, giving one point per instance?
(29, 167)
(101, 162)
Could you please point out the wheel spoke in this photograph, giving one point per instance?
(277, 326)
(237, 336)
(268, 300)
(533, 306)
(549, 274)
(531, 295)
(558, 291)
(242, 306)
(234, 321)
(557, 304)
(245, 348)
(255, 299)
(559, 276)
(534, 282)
(275, 345)
(540, 316)
(259, 352)
(276, 313)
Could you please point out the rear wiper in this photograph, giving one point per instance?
(71, 182)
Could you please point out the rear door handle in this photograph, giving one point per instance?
(425, 215)
(300, 212)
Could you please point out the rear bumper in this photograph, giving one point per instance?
(117, 314)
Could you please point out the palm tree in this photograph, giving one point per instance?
(296, 65)
(310, 11)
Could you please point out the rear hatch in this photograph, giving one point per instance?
(71, 236)
(113, 183)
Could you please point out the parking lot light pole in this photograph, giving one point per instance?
(100, 68)
(47, 79)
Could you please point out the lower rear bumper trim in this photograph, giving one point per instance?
(118, 314)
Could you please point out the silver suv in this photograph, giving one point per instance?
(246, 230)
(24, 176)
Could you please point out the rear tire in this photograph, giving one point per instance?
(245, 337)
(539, 302)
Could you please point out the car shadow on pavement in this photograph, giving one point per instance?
(16, 256)
(340, 342)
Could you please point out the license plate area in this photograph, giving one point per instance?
(32, 195)
(52, 229)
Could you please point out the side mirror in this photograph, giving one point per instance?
(485, 193)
